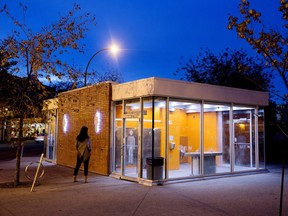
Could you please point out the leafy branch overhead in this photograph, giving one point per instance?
(40, 53)
(271, 43)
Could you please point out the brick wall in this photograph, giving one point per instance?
(80, 107)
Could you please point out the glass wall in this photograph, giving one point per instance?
(184, 138)
(153, 133)
(193, 138)
(216, 138)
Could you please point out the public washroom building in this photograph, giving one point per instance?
(155, 130)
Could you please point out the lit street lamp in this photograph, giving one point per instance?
(114, 49)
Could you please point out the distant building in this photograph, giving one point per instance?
(9, 119)
(181, 129)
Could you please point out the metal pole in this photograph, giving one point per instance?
(86, 70)
(153, 105)
(36, 174)
(282, 178)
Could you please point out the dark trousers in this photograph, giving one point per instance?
(78, 164)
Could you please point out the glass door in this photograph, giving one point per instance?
(126, 138)
(130, 139)
(130, 147)
(242, 136)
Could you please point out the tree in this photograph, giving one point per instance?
(232, 68)
(39, 54)
(270, 43)
(110, 75)
(5, 81)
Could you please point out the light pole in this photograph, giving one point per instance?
(114, 49)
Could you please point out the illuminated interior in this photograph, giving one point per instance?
(194, 138)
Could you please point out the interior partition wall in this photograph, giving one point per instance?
(194, 138)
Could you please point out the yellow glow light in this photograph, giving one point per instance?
(114, 49)
(242, 126)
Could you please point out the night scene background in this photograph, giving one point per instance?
(152, 35)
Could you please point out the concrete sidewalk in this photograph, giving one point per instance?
(247, 195)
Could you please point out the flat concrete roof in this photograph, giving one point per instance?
(188, 90)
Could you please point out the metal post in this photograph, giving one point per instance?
(153, 137)
(86, 70)
(282, 178)
(37, 171)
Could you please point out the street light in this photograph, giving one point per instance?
(114, 49)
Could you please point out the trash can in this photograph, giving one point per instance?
(157, 162)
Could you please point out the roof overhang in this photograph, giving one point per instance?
(188, 90)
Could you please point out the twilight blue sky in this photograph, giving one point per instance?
(153, 34)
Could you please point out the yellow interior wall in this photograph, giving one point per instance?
(177, 128)
(210, 131)
(119, 115)
(193, 123)
(160, 115)
(181, 124)
(188, 125)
